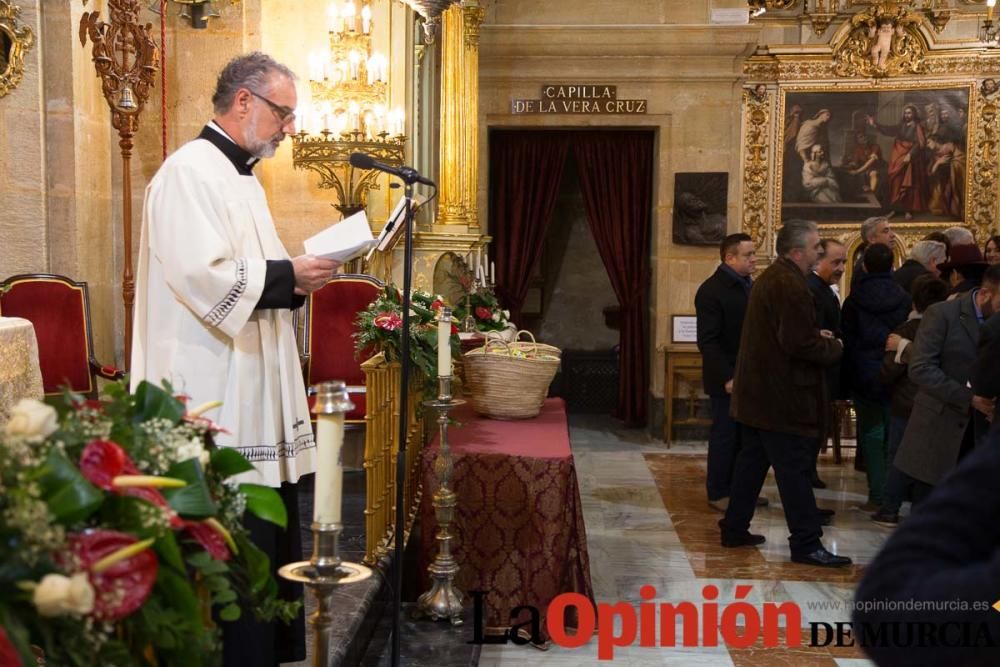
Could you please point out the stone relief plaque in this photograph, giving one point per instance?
(700, 204)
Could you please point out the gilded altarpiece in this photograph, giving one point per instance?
(883, 120)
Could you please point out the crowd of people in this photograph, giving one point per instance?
(912, 348)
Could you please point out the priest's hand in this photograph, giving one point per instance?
(312, 272)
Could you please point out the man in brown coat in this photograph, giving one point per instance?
(779, 397)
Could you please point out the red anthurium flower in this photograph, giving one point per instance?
(388, 321)
(483, 313)
(454, 329)
(103, 460)
(437, 304)
(122, 587)
(209, 538)
(8, 654)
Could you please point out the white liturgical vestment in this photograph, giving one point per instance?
(207, 234)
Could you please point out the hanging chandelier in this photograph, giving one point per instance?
(348, 111)
(431, 11)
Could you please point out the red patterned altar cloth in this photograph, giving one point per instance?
(519, 532)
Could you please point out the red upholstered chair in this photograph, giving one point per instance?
(59, 308)
(328, 336)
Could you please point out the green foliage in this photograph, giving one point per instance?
(265, 503)
(380, 330)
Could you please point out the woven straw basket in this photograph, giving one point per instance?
(501, 384)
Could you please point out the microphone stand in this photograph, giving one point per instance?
(404, 395)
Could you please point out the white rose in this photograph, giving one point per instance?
(192, 449)
(32, 419)
(506, 314)
(56, 595)
(496, 317)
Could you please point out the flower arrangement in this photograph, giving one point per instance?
(121, 533)
(481, 303)
(380, 327)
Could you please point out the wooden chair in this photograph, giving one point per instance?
(328, 337)
(59, 309)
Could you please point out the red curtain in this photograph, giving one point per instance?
(526, 168)
(616, 176)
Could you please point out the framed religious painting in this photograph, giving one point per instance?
(15, 39)
(847, 154)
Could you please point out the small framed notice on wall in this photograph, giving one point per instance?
(684, 329)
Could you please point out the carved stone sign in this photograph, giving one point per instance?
(578, 98)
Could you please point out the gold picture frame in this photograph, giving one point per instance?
(777, 75)
(15, 40)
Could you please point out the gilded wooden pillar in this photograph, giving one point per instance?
(452, 209)
(472, 15)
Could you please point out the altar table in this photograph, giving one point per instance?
(20, 374)
(518, 528)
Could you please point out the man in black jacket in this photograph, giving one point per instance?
(926, 599)
(720, 304)
(822, 280)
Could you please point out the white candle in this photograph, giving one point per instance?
(493, 273)
(366, 19)
(329, 468)
(444, 343)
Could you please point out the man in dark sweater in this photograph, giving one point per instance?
(822, 281)
(720, 304)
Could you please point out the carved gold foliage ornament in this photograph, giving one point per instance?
(15, 39)
(983, 201)
(881, 41)
(757, 120)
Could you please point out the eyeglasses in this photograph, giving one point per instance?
(285, 114)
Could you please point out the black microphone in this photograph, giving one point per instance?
(408, 174)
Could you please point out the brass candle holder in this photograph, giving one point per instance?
(325, 570)
(444, 600)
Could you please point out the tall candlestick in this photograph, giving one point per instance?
(331, 404)
(444, 343)
(493, 273)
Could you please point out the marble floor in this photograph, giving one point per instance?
(648, 523)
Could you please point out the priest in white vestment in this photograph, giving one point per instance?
(214, 300)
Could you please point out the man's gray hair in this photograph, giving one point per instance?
(252, 71)
(793, 235)
(925, 251)
(869, 225)
(959, 236)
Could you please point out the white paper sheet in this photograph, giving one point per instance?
(342, 241)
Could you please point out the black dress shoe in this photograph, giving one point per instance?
(822, 558)
(817, 483)
(762, 501)
(744, 540)
(826, 519)
(826, 512)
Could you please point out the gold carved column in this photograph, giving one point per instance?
(460, 114)
(452, 210)
(472, 14)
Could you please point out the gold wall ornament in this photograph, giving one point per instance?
(15, 40)
(981, 210)
(882, 41)
(756, 166)
(126, 58)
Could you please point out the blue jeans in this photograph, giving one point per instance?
(723, 443)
